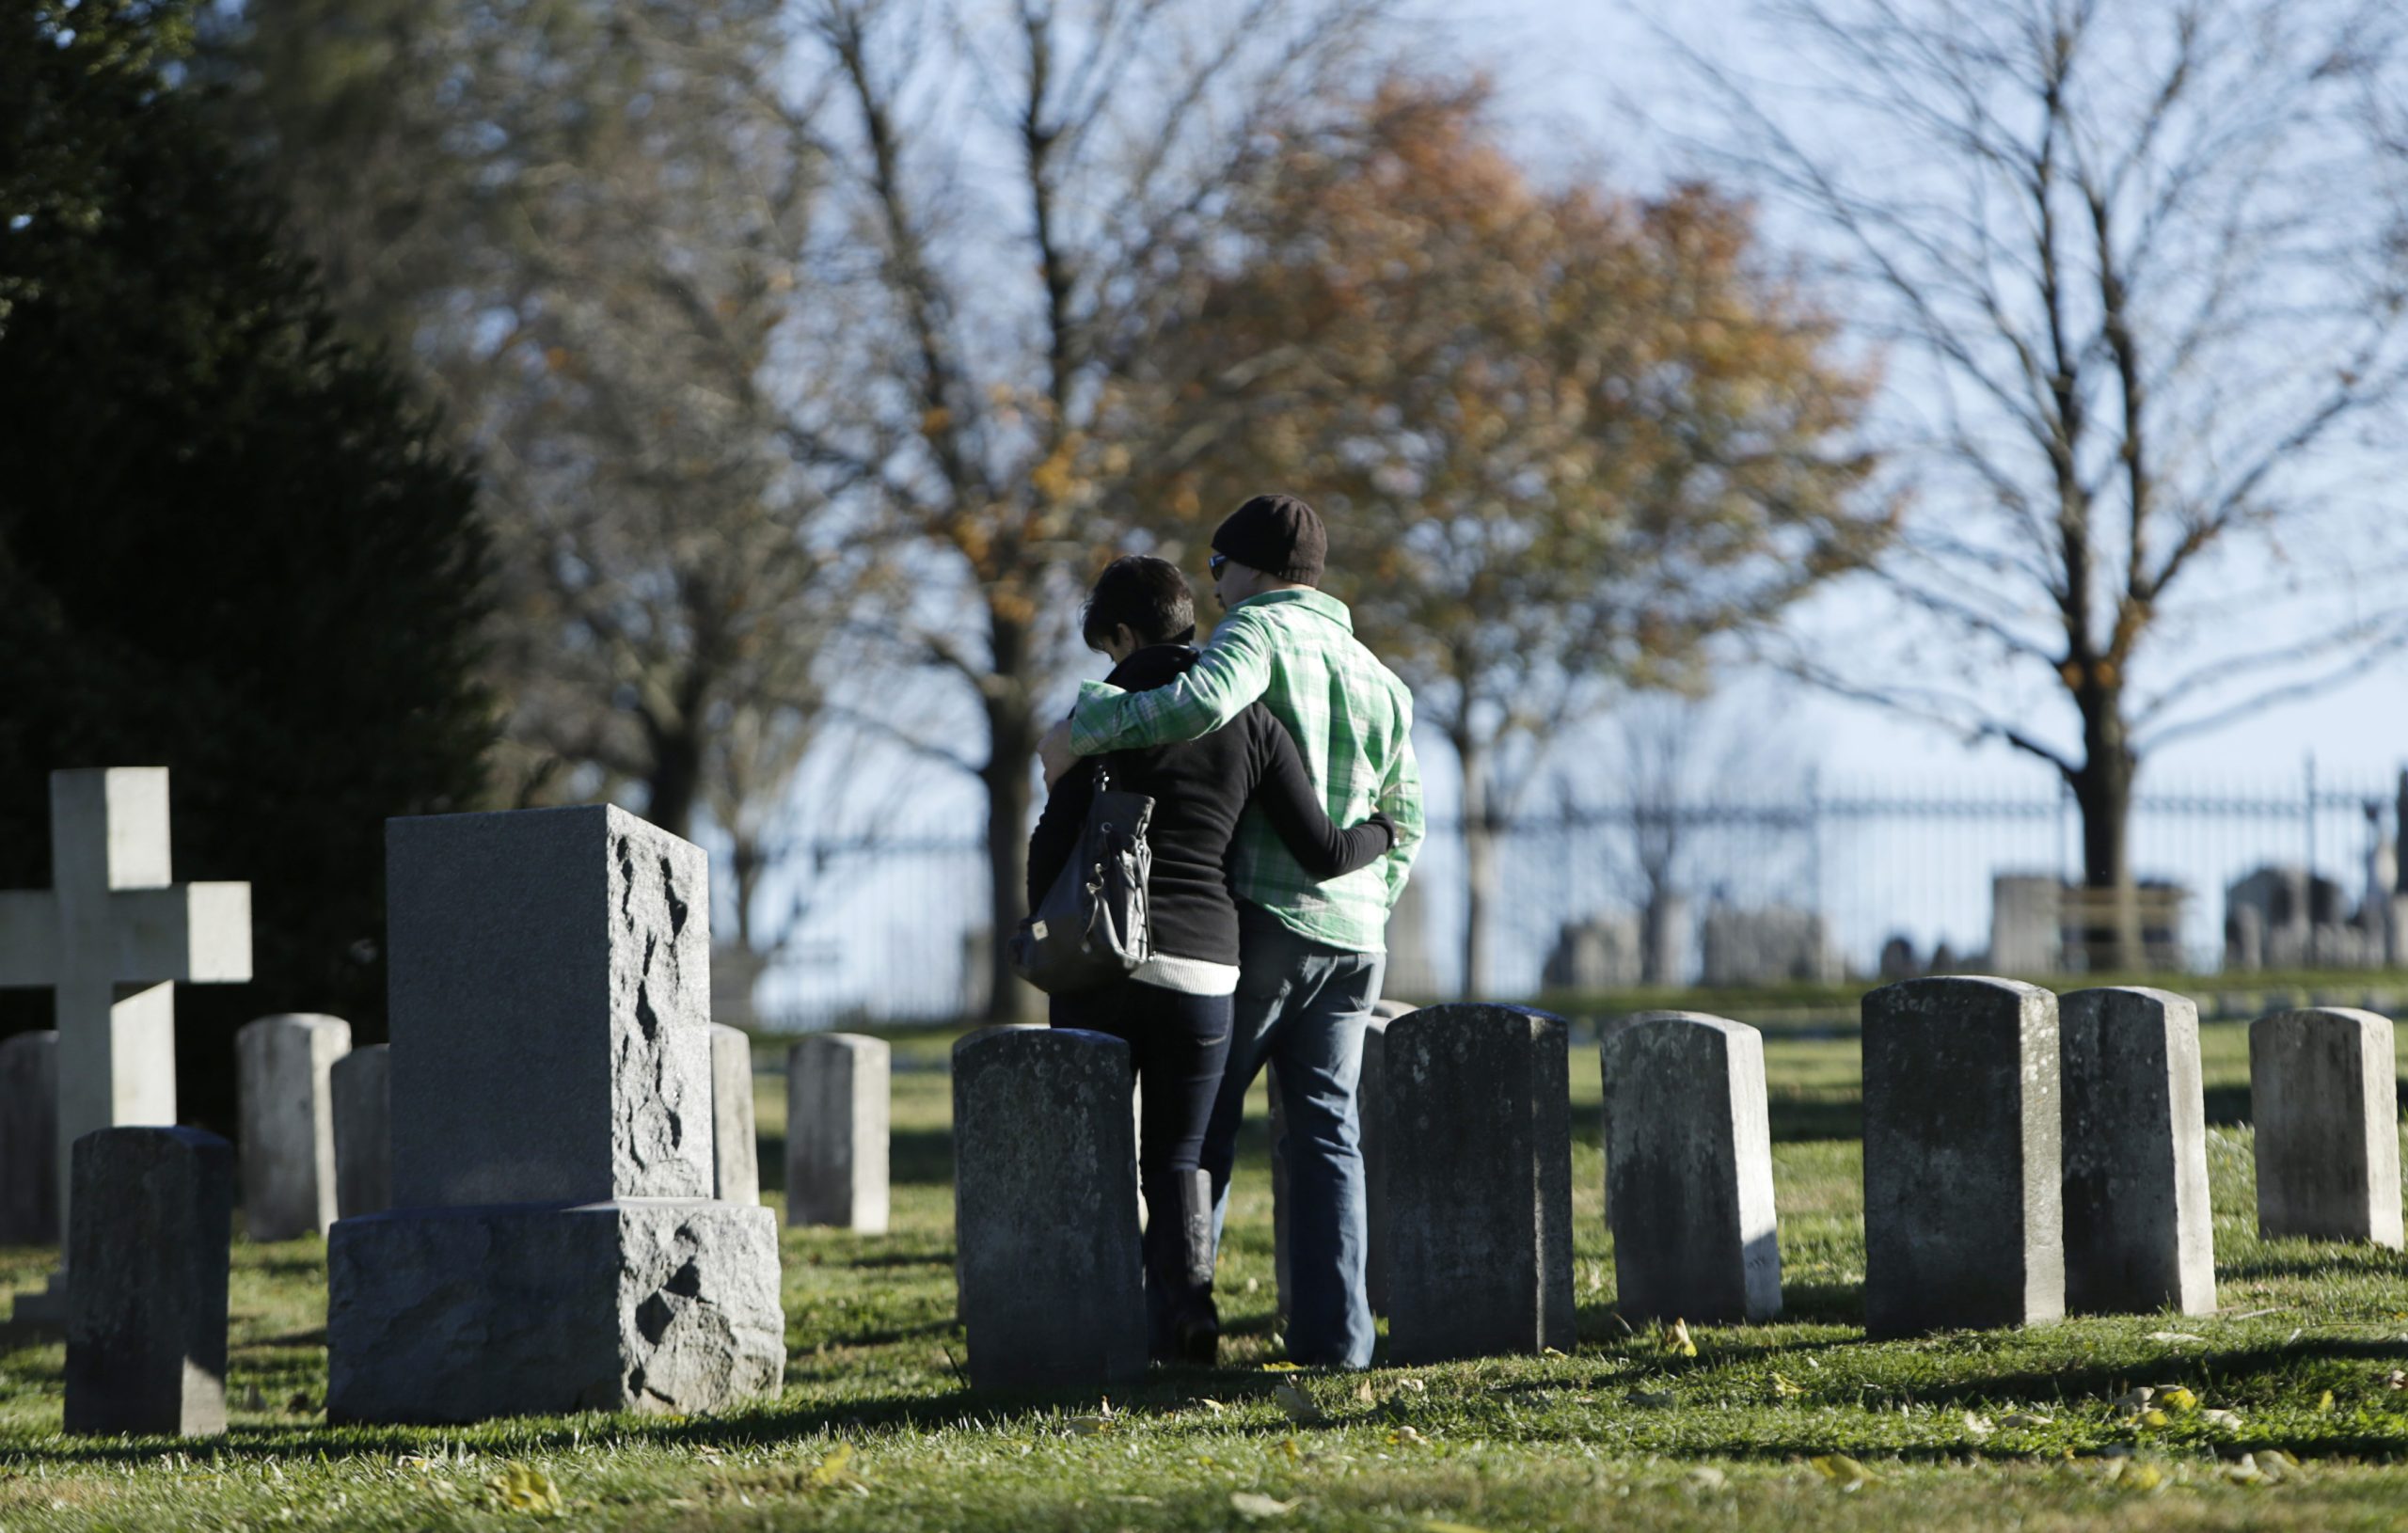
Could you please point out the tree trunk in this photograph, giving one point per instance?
(2103, 791)
(1479, 860)
(676, 781)
(1013, 733)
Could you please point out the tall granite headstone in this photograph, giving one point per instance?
(29, 1139)
(736, 1152)
(283, 1065)
(1689, 1169)
(1963, 1218)
(111, 939)
(2322, 1093)
(2139, 1234)
(1478, 1150)
(837, 1105)
(554, 1245)
(362, 1083)
(1045, 1209)
(146, 1316)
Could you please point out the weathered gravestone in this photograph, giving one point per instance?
(29, 1139)
(553, 1245)
(2139, 1236)
(146, 1318)
(1963, 1222)
(1479, 1152)
(288, 1116)
(735, 1153)
(2322, 1095)
(1689, 1169)
(363, 1101)
(837, 1131)
(1045, 1209)
(111, 937)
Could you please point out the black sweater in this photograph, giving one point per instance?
(1200, 787)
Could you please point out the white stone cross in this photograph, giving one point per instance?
(112, 935)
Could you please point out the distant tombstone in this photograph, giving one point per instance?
(1666, 942)
(363, 1099)
(1771, 945)
(838, 1089)
(1478, 1155)
(1601, 953)
(554, 1246)
(2322, 1094)
(29, 1139)
(735, 1155)
(1963, 1218)
(1689, 1169)
(1045, 1209)
(146, 1317)
(2027, 929)
(1410, 970)
(287, 1101)
(1898, 959)
(112, 938)
(2139, 1234)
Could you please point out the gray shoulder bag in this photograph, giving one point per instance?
(1092, 926)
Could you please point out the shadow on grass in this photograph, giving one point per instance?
(1798, 1116)
(2301, 1258)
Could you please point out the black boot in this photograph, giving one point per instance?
(1194, 1320)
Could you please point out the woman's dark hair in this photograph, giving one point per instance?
(1146, 594)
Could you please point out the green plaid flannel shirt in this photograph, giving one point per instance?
(1352, 719)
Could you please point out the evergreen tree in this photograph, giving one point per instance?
(226, 542)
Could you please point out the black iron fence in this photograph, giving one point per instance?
(1857, 868)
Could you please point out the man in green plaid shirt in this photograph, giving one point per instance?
(1313, 954)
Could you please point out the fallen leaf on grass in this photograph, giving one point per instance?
(1841, 1471)
(2222, 1420)
(2174, 1336)
(2026, 1418)
(2135, 1401)
(2324, 1402)
(2177, 1399)
(1255, 1504)
(1283, 1367)
(2397, 1380)
(1088, 1426)
(1675, 1339)
(1363, 1392)
(1212, 1405)
(1785, 1388)
(1707, 1477)
(1406, 1435)
(1978, 1425)
(1414, 1384)
(2133, 1474)
(1298, 1406)
(520, 1487)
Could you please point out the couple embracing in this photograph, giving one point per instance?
(1287, 812)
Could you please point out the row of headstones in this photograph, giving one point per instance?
(542, 1252)
(316, 1126)
(2021, 1155)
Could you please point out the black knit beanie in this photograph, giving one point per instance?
(1277, 535)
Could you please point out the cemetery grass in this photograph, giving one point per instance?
(1798, 1425)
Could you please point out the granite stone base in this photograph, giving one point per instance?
(462, 1314)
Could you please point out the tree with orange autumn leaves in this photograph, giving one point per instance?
(1565, 440)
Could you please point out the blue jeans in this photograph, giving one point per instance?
(1301, 1005)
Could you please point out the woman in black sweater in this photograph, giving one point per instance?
(1174, 1012)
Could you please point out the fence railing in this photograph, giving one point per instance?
(1880, 865)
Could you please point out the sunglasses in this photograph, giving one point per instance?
(1215, 563)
